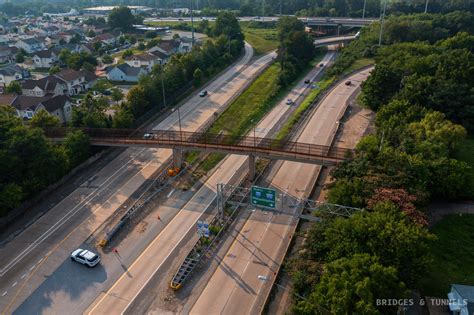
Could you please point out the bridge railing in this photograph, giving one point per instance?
(201, 140)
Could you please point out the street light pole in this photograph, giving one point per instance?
(192, 23)
(381, 23)
(426, 6)
(363, 10)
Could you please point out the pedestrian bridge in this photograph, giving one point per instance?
(200, 141)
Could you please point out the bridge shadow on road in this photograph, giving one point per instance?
(61, 292)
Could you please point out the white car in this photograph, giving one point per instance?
(85, 257)
(289, 101)
(148, 136)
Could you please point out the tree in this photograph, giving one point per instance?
(197, 75)
(141, 46)
(127, 53)
(123, 118)
(385, 232)
(122, 18)
(13, 87)
(19, 57)
(91, 33)
(77, 146)
(228, 25)
(54, 70)
(117, 95)
(151, 34)
(42, 119)
(352, 286)
(107, 59)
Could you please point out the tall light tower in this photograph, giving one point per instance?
(381, 22)
(363, 10)
(426, 6)
(192, 24)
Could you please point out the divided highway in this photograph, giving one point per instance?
(260, 246)
(119, 298)
(31, 263)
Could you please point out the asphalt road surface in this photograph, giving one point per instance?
(119, 298)
(35, 262)
(261, 244)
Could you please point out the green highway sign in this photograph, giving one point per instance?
(263, 197)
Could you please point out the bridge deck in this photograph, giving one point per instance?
(243, 145)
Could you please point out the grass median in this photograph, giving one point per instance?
(263, 40)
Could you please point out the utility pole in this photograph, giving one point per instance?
(363, 10)
(381, 22)
(192, 24)
(163, 86)
(263, 9)
(426, 6)
(281, 5)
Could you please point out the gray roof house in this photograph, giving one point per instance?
(125, 72)
(461, 299)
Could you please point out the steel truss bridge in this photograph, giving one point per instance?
(200, 141)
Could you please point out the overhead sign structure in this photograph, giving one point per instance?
(263, 197)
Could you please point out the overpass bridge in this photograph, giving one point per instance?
(333, 40)
(199, 141)
(346, 22)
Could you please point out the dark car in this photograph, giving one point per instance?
(321, 65)
(348, 83)
(307, 81)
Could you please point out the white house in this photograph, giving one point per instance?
(75, 80)
(11, 73)
(125, 72)
(40, 88)
(27, 106)
(30, 45)
(146, 60)
(8, 54)
(461, 299)
(45, 58)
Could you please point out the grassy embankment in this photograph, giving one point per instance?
(453, 258)
(262, 40)
(248, 109)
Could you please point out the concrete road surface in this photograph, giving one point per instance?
(260, 247)
(35, 254)
(119, 298)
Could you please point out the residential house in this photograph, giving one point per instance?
(90, 78)
(146, 60)
(11, 73)
(461, 299)
(30, 45)
(7, 54)
(170, 46)
(125, 72)
(185, 44)
(106, 39)
(49, 85)
(45, 58)
(75, 80)
(27, 106)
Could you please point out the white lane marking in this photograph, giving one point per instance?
(170, 193)
(64, 219)
(32, 267)
(4, 293)
(23, 276)
(14, 284)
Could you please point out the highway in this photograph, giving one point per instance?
(333, 40)
(32, 264)
(309, 20)
(119, 298)
(260, 246)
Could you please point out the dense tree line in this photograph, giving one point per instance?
(296, 48)
(352, 8)
(422, 94)
(405, 28)
(28, 161)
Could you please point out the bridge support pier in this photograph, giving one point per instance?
(178, 158)
(251, 167)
